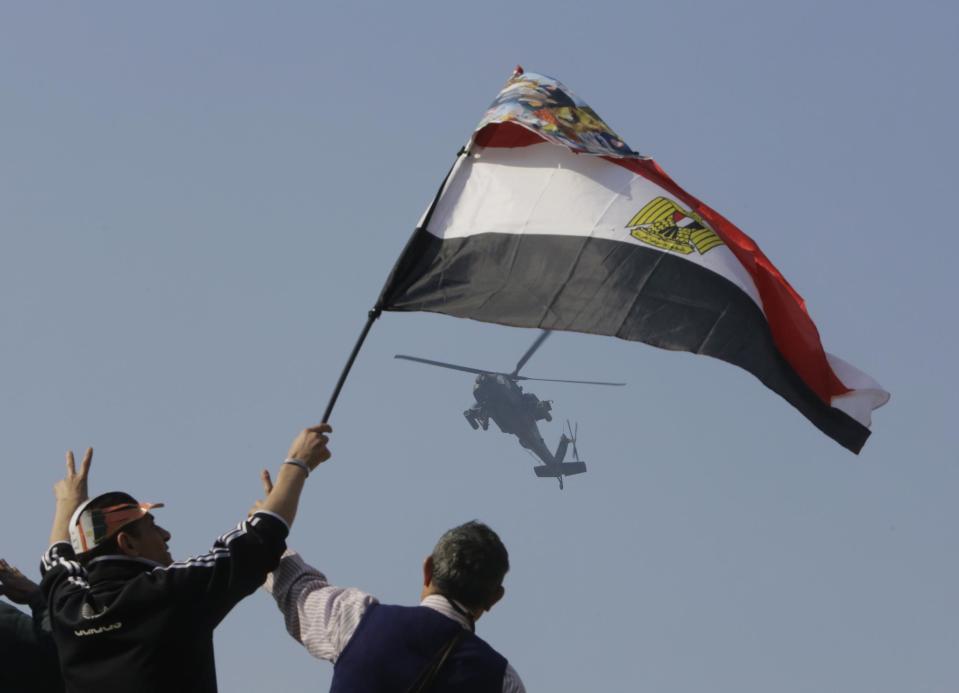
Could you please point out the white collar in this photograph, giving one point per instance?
(441, 604)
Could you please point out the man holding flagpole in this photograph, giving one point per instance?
(125, 616)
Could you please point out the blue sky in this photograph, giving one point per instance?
(200, 202)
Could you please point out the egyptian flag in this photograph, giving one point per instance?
(548, 219)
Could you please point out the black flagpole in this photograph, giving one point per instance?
(377, 310)
(370, 319)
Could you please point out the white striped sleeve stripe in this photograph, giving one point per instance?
(207, 560)
(53, 559)
(255, 519)
(210, 558)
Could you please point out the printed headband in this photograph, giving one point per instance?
(90, 527)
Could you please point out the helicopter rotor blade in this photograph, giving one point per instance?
(532, 350)
(576, 382)
(441, 364)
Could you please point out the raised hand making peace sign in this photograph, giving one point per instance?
(73, 487)
(70, 492)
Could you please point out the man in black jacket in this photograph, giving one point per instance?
(28, 656)
(125, 616)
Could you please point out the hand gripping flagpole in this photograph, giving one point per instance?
(377, 309)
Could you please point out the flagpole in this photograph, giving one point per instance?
(377, 310)
(370, 319)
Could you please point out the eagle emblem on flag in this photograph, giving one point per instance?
(666, 225)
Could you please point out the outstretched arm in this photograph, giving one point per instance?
(70, 492)
(20, 589)
(212, 584)
(283, 497)
(320, 616)
(17, 587)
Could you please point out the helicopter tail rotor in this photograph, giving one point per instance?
(573, 432)
(559, 468)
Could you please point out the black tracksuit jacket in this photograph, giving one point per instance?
(125, 624)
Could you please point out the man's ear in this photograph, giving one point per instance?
(499, 595)
(428, 571)
(127, 544)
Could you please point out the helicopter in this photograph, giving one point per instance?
(501, 399)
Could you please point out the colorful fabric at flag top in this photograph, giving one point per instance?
(548, 219)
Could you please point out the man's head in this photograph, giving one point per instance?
(115, 523)
(468, 565)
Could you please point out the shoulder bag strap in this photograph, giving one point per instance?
(425, 680)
